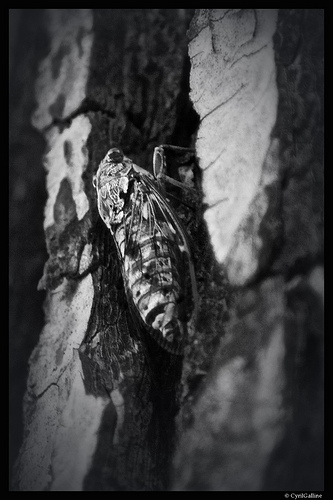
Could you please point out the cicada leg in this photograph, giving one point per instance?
(160, 164)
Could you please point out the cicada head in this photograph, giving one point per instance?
(111, 183)
(115, 155)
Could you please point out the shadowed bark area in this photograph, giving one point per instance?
(257, 84)
(27, 196)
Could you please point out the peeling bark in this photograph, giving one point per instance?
(257, 421)
(233, 86)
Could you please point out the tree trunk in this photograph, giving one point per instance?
(106, 408)
(257, 84)
(100, 404)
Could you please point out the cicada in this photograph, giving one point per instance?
(152, 243)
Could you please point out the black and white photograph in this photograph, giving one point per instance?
(166, 250)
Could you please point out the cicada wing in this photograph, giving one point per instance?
(159, 205)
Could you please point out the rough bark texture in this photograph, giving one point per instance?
(105, 407)
(101, 398)
(257, 84)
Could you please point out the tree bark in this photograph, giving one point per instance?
(101, 398)
(106, 408)
(257, 84)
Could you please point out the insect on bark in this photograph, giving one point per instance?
(152, 244)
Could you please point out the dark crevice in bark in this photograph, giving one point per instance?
(88, 105)
(187, 118)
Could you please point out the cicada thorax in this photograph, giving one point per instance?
(151, 247)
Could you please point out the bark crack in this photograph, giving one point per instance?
(87, 106)
(223, 16)
(51, 384)
(215, 159)
(248, 55)
(41, 394)
(224, 102)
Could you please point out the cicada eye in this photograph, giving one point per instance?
(115, 155)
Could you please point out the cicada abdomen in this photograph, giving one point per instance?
(152, 246)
